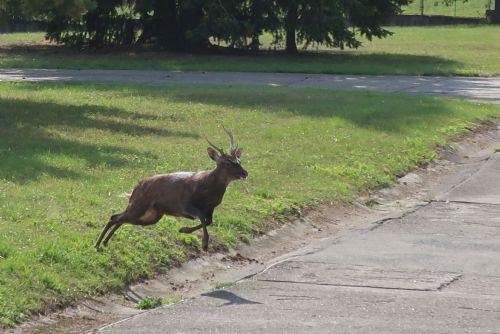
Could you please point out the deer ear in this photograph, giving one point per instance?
(238, 152)
(213, 154)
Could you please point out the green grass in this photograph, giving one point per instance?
(471, 8)
(450, 50)
(22, 37)
(152, 302)
(222, 285)
(68, 152)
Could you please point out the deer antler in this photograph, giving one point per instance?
(220, 150)
(235, 151)
(231, 138)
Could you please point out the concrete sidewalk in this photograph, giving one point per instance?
(486, 89)
(433, 269)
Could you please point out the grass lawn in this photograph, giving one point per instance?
(69, 152)
(471, 8)
(450, 50)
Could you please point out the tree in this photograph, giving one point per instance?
(332, 22)
(289, 23)
(192, 25)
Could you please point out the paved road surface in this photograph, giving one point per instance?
(487, 89)
(436, 269)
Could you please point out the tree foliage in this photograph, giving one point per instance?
(192, 25)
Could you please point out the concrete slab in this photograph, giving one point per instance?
(267, 307)
(324, 273)
(434, 270)
(481, 187)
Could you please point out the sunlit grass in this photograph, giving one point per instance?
(69, 153)
(446, 50)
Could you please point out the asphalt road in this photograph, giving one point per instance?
(486, 89)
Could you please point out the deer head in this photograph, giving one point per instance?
(230, 163)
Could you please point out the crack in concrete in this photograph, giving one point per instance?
(347, 285)
(477, 309)
(474, 173)
(447, 284)
(463, 202)
(383, 221)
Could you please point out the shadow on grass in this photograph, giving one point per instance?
(27, 144)
(340, 62)
(388, 112)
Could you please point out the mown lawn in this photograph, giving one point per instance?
(447, 50)
(69, 152)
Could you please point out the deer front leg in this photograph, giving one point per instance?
(191, 213)
(204, 240)
(206, 221)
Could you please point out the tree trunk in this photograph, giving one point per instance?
(165, 27)
(291, 26)
(193, 39)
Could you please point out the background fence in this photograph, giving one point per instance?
(471, 8)
(435, 12)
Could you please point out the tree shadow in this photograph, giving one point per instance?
(388, 112)
(307, 61)
(231, 298)
(27, 138)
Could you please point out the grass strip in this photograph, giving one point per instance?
(69, 152)
(445, 50)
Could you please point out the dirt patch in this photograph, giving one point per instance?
(457, 162)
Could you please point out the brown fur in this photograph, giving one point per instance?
(182, 194)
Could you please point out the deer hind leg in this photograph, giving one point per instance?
(110, 234)
(113, 222)
(150, 217)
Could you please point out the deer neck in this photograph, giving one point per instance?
(218, 180)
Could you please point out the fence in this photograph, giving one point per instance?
(458, 8)
(432, 20)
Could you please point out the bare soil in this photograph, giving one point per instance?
(203, 273)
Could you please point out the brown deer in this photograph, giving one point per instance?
(183, 194)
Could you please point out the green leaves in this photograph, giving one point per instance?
(196, 24)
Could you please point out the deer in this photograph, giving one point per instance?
(191, 195)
